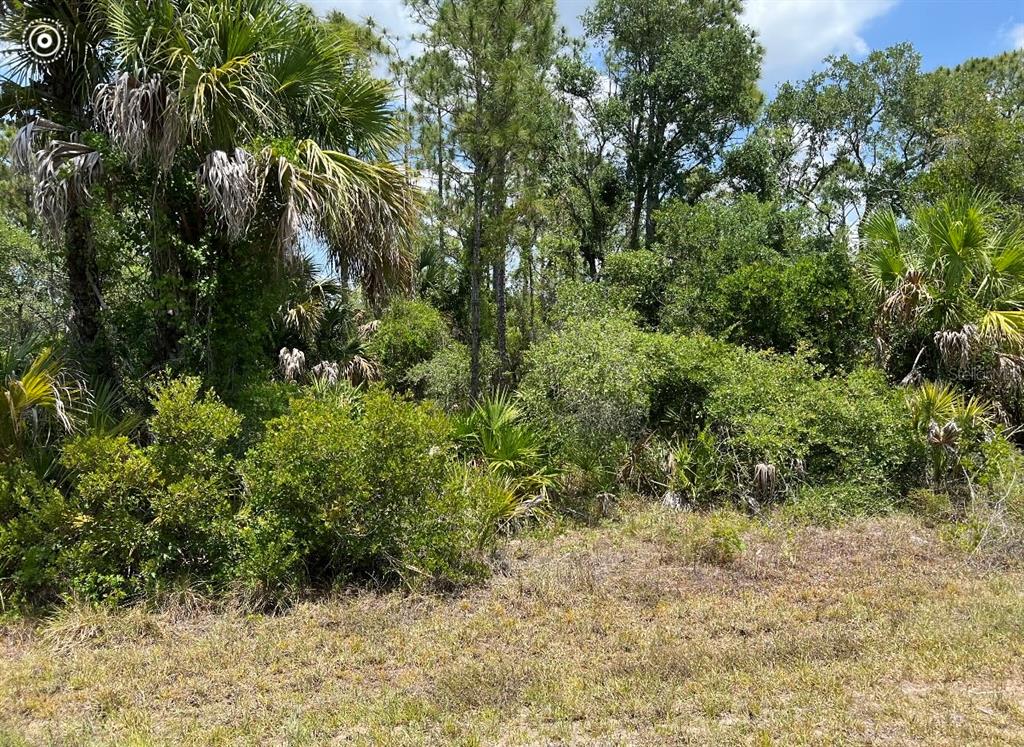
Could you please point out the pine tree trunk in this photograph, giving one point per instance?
(474, 290)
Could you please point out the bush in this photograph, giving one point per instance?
(445, 377)
(410, 332)
(783, 423)
(589, 384)
(832, 504)
(137, 517)
(638, 278)
(32, 530)
(340, 489)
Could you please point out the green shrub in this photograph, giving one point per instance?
(588, 300)
(32, 530)
(589, 384)
(445, 377)
(834, 503)
(638, 278)
(783, 423)
(341, 489)
(137, 517)
(410, 332)
(816, 299)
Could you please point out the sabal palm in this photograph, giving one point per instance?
(954, 273)
(291, 135)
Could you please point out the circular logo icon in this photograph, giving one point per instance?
(44, 39)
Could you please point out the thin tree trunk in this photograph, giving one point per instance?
(474, 290)
(440, 185)
(85, 289)
(501, 323)
(638, 207)
(500, 305)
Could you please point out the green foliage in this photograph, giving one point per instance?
(339, 489)
(638, 277)
(32, 532)
(948, 289)
(445, 377)
(832, 504)
(410, 332)
(138, 517)
(816, 299)
(588, 384)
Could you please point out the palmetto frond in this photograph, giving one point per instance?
(42, 390)
(65, 173)
(1004, 327)
(139, 116)
(363, 211)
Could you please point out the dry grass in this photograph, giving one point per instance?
(872, 633)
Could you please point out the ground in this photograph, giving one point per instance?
(648, 630)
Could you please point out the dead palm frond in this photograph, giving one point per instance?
(65, 173)
(140, 117)
(233, 185)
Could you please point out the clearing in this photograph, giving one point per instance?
(875, 632)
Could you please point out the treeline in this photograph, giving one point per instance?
(276, 324)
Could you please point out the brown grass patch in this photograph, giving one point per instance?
(872, 633)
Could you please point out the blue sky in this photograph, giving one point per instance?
(797, 34)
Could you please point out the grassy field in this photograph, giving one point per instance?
(645, 631)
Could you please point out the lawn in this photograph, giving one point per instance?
(640, 631)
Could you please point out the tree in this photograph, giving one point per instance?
(52, 96)
(949, 289)
(684, 81)
(257, 128)
(585, 183)
(981, 130)
(851, 137)
(496, 53)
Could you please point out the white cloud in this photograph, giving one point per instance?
(1016, 36)
(391, 14)
(798, 34)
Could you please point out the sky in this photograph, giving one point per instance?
(798, 34)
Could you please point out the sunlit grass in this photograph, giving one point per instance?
(632, 633)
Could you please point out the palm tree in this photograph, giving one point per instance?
(52, 98)
(950, 286)
(283, 133)
(285, 119)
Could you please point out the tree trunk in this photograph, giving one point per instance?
(500, 315)
(440, 185)
(500, 306)
(638, 208)
(85, 290)
(474, 290)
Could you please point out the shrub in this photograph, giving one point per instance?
(638, 278)
(587, 300)
(834, 503)
(589, 384)
(136, 517)
(339, 488)
(783, 423)
(32, 530)
(815, 299)
(410, 332)
(445, 377)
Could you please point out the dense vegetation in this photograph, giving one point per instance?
(272, 324)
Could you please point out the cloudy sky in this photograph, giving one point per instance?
(797, 34)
